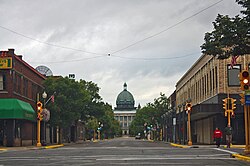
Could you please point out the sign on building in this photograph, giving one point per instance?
(6, 63)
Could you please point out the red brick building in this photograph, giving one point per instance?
(20, 85)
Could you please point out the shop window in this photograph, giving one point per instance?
(2, 82)
(233, 79)
(17, 129)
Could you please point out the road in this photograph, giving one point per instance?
(119, 151)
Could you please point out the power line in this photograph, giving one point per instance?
(168, 28)
(157, 58)
(112, 54)
(75, 60)
(50, 44)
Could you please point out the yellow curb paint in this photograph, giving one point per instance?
(180, 146)
(53, 146)
(236, 146)
(241, 157)
(3, 149)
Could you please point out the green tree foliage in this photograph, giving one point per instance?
(78, 100)
(150, 115)
(230, 36)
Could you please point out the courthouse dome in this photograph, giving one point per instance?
(125, 99)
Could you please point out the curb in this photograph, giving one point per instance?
(241, 157)
(235, 146)
(53, 146)
(2, 149)
(179, 146)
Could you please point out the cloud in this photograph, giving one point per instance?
(107, 26)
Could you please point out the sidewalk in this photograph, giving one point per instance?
(237, 151)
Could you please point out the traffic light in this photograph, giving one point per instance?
(39, 110)
(232, 115)
(242, 99)
(39, 106)
(233, 103)
(225, 105)
(188, 106)
(244, 80)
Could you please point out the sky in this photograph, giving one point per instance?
(149, 44)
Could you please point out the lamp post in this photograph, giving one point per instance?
(188, 109)
(44, 95)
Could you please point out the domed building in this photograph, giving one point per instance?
(125, 109)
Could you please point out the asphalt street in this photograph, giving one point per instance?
(120, 151)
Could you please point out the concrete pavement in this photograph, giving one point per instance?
(237, 151)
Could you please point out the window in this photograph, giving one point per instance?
(2, 82)
(25, 87)
(121, 118)
(125, 118)
(129, 118)
(233, 73)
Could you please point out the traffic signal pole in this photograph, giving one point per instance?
(246, 116)
(244, 83)
(39, 118)
(38, 133)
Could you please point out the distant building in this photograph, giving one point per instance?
(19, 85)
(125, 110)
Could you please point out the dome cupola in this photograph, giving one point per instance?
(125, 99)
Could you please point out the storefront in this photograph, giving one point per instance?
(17, 123)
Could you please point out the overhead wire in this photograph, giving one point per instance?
(168, 28)
(122, 49)
(157, 58)
(50, 44)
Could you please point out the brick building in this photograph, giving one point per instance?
(19, 85)
(206, 84)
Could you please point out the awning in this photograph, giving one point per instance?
(16, 109)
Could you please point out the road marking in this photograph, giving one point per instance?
(223, 150)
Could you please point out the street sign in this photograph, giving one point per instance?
(247, 99)
(71, 76)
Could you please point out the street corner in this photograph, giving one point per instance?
(3, 149)
(179, 146)
(53, 146)
(241, 157)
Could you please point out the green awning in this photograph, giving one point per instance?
(16, 109)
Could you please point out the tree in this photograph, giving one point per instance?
(78, 100)
(150, 115)
(230, 36)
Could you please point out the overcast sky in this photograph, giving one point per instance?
(152, 43)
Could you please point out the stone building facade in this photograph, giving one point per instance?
(125, 110)
(206, 84)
